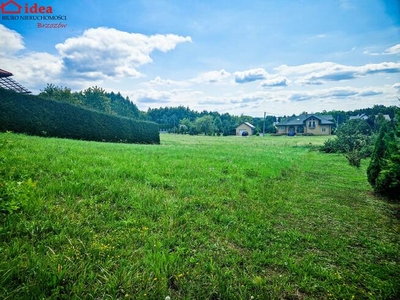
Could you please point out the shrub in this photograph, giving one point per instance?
(353, 139)
(354, 158)
(330, 146)
(384, 169)
(34, 115)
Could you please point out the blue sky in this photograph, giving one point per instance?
(242, 57)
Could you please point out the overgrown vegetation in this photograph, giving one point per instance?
(354, 139)
(384, 169)
(195, 218)
(34, 115)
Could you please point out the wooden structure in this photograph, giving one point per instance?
(6, 82)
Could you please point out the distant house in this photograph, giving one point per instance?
(244, 128)
(365, 117)
(387, 117)
(359, 116)
(306, 124)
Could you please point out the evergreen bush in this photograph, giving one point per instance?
(36, 116)
(383, 171)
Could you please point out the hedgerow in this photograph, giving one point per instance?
(33, 115)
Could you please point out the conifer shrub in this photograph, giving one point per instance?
(33, 115)
(383, 172)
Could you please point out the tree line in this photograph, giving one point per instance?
(95, 98)
(182, 119)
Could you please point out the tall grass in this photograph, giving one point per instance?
(192, 218)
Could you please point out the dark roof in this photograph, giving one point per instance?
(359, 116)
(10, 84)
(300, 120)
(4, 73)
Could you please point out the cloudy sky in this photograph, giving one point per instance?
(242, 57)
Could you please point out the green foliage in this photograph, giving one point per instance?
(384, 169)
(210, 123)
(353, 139)
(15, 189)
(205, 125)
(388, 181)
(58, 93)
(15, 194)
(379, 122)
(354, 158)
(169, 117)
(331, 145)
(95, 98)
(379, 155)
(34, 115)
(354, 127)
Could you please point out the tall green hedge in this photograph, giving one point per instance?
(33, 115)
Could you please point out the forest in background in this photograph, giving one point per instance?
(184, 120)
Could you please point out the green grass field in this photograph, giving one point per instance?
(192, 218)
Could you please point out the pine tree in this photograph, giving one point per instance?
(384, 169)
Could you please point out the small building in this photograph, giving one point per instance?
(6, 82)
(359, 116)
(387, 118)
(306, 124)
(365, 117)
(245, 129)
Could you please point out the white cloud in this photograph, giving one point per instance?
(205, 77)
(151, 97)
(158, 81)
(367, 52)
(11, 41)
(286, 70)
(250, 75)
(274, 101)
(98, 54)
(278, 81)
(211, 76)
(107, 52)
(319, 73)
(338, 93)
(393, 50)
(33, 70)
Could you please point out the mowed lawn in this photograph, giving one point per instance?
(193, 218)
